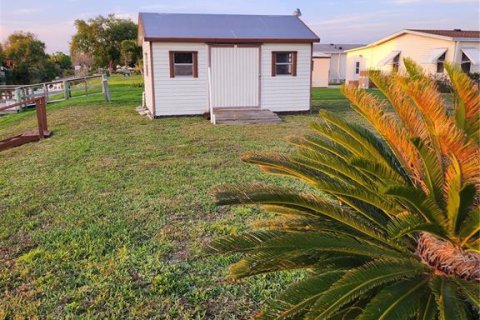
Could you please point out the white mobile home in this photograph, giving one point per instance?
(338, 59)
(429, 48)
(202, 63)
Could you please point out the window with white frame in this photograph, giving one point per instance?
(357, 67)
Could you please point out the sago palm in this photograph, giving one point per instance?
(390, 228)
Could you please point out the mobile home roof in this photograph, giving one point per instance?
(223, 28)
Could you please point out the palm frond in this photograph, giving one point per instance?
(357, 282)
(467, 106)
(450, 304)
(397, 138)
(295, 301)
(428, 308)
(407, 223)
(399, 301)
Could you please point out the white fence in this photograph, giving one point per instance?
(53, 91)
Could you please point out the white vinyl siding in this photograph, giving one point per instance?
(180, 95)
(286, 92)
(147, 75)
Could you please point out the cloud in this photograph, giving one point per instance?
(401, 2)
(24, 11)
(56, 34)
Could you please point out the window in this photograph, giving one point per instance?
(357, 67)
(396, 63)
(466, 63)
(284, 63)
(441, 63)
(183, 64)
(145, 63)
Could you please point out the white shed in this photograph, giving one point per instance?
(215, 63)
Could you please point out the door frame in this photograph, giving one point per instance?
(234, 45)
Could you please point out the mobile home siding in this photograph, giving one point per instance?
(413, 46)
(286, 92)
(320, 72)
(180, 95)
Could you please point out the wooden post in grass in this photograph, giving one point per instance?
(42, 117)
(86, 86)
(105, 88)
(66, 89)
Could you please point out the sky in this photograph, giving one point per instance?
(334, 21)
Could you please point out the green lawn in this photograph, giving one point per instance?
(108, 217)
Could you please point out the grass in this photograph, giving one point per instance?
(108, 218)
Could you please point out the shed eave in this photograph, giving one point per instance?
(231, 40)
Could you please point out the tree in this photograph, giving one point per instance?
(2, 56)
(391, 227)
(27, 60)
(101, 38)
(63, 61)
(130, 52)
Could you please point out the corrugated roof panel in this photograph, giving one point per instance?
(158, 26)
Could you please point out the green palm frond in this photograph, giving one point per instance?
(408, 223)
(428, 308)
(361, 280)
(450, 303)
(295, 301)
(398, 301)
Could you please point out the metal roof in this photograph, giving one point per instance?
(449, 35)
(223, 27)
(455, 33)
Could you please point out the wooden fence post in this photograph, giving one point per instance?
(41, 117)
(105, 88)
(66, 89)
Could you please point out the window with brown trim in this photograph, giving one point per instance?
(183, 64)
(284, 63)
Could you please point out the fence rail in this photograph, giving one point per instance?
(15, 98)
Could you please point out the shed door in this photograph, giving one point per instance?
(234, 76)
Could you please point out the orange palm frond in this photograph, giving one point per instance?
(401, 104)
(397, 137)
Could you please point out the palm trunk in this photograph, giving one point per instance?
(447, 259)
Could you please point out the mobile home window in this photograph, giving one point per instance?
(396, 63)
(441, 63)
(183, 64)
(466, 63)
(357, 67)
(284, 63)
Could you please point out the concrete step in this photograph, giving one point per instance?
(244, 116)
